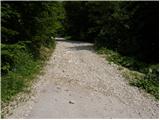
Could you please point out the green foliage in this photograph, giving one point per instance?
(128, 62)
(19, 74)
(15, 69)
(28, 30)
(153, 73)
(130, 28)
(33, 21)
(144, 76)
(19, 67)
(150, 86)
(10, 56)
(76, 19)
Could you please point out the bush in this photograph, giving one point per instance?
(19, 74)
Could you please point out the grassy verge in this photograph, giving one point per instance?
(18, 76)
(139, 74)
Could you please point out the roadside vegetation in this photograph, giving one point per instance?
(28, 30)
(140, 74)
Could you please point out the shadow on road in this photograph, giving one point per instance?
(79, 45)
(82, 47)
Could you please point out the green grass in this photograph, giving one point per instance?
(142, 75)
(19, 76)
(150, 86)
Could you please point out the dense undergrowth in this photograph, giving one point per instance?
(128, 27)
(28, 32)
(19, 75)
(140, 74)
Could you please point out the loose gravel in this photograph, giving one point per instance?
(78, 83)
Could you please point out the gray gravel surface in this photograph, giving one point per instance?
(78, 83)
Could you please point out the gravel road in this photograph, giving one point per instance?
(78, 83)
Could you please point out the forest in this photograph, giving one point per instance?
(127, 31)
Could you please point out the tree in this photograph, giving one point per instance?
(130, 28)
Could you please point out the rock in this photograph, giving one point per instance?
(58, 87)
(26, 115)
(71, 102)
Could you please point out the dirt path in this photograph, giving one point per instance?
(80, 84)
